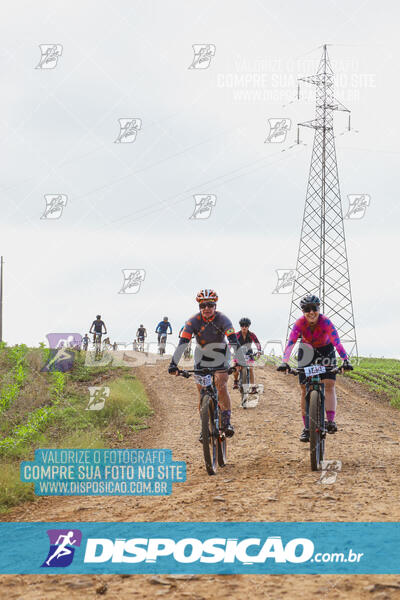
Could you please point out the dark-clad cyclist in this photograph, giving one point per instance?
(163, 327)
(246, 339)
(97, 328)
(85, 341)
(319, 339)
(141, 333)
(211, 329)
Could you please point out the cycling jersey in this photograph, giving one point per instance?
(210, 336)
(323, 334)
(248, 340)
(98, 325)
(163, 326)
(141, 332)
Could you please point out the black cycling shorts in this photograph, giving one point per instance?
(324, 355)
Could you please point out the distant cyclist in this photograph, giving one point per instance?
(141, 334)
(319, 339)
(211, 328)
(247, 338)
(163, 327)
(85, 341)
(97, 327)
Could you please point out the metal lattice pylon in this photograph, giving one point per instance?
(322, 267)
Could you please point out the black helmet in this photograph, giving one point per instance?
(244, 322)
(98, 316)
(309, 299)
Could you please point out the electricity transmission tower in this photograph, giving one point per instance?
(322, 267)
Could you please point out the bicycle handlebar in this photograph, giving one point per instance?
(188, 373)
(297, 370)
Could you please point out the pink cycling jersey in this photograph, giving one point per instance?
(323, 334)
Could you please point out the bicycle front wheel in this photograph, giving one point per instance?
(316, 440)
(209, 441)
(221, 447)
(244, 384)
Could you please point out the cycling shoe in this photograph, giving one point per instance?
(305, 436)
(331, 427)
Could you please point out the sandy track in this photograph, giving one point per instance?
(268, 478)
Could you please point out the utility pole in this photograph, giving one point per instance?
(1, 299)
(322, 267)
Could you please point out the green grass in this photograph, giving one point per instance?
(380, 375)
(51, 413)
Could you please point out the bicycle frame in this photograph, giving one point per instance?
(211, 390)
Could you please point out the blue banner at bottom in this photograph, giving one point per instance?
(209, 548)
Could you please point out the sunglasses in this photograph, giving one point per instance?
(310, 307)
(207, 305)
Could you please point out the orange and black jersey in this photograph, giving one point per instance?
(210, 331)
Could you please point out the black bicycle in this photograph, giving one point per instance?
(249, 398)
(162, 343)
(97, 345)
(315, 409)
(187, 355)
(212, 436)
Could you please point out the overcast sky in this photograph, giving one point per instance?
(202, 132)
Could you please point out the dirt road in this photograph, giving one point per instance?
(268, 478)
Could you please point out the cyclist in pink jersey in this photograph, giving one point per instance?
(319, 339)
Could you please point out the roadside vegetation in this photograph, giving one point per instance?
(51, 410)
(380, 375)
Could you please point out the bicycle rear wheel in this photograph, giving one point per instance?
(316, 440)
(210, 444)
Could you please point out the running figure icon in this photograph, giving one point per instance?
(62, 549)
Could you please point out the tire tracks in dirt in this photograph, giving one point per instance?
(267, 478)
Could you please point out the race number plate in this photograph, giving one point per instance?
(205, 380)
(314, 370)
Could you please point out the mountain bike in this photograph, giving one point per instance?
(162, 343)
(212, 436)
(140, 344)
(249, 399)
(97, 345)
(188, 351)
(315, 409)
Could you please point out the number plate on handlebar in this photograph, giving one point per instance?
(314, 370)
(203, 380)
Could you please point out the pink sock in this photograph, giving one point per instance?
(304, 420)
(331, 415)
